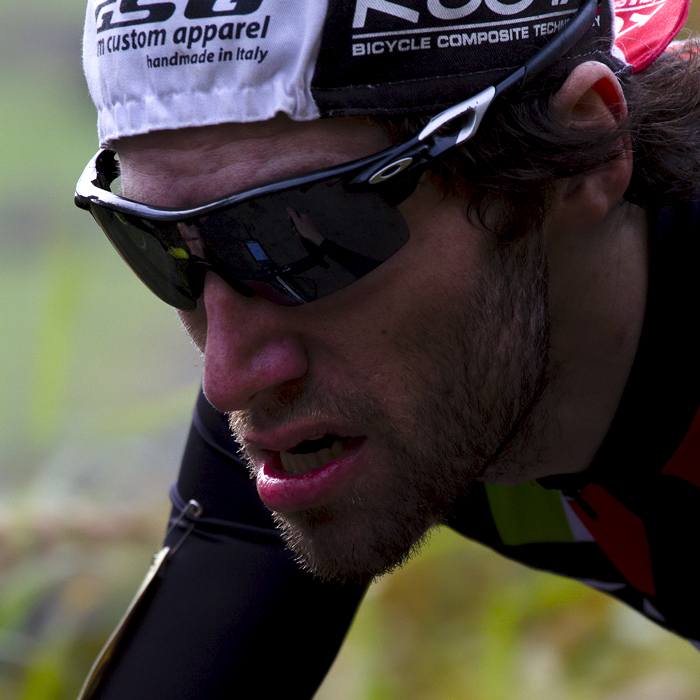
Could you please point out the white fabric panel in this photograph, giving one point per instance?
(168, 65)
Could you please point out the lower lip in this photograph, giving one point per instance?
(286, 493)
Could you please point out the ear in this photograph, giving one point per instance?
(592, 99)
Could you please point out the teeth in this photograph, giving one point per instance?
(302, 463)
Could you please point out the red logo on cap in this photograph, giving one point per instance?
(644, 28)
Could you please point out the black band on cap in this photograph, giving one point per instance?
(379, 57)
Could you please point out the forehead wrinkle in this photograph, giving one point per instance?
(193, 166)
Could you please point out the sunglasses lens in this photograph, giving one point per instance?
(306, 242)
(156, 252)
(290, 247)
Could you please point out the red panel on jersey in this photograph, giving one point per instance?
(620, 534)
(685, 462)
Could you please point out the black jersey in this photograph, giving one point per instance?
(231, 609)
(626, 525)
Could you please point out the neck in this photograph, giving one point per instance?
(597, 296)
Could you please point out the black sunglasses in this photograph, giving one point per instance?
(302, 238)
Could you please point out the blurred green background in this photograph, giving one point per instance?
(96, 384)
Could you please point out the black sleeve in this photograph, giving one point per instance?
(231, 611)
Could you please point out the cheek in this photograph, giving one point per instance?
(444, 254)
(380, 327)
(195, 323)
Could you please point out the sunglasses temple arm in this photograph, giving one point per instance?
(555, 49)
(474, 109)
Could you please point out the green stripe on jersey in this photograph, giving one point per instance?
(528, 513)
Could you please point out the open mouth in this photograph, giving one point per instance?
(314, 471)
(316, 452)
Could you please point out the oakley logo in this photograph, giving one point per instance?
(435, 8)
(388, 171)
(133, 12)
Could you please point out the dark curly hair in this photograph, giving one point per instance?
(521, 150)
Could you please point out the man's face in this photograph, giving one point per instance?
(365, 414)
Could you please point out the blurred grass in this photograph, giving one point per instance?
(96, 387)
(97, 378)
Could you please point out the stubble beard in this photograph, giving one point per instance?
(474, 377)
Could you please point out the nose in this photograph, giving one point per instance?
(250, 348)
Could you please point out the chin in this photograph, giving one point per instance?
(358, 545)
